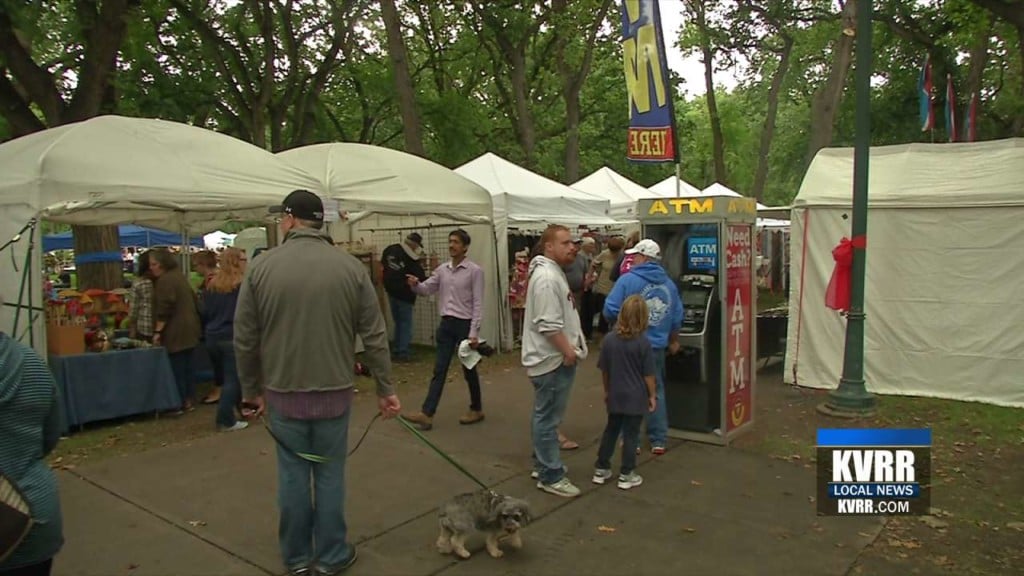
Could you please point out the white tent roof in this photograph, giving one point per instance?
(523, 196)
(921, 175)
(114, 170)
(667, 188)
(619, 190)
(367, 178)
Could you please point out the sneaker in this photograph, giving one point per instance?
(601, 475)
(321, 571)
(631, 480)
(658, 450)
(238, 425)
(563, 488)
(303, 571)
(535, 474)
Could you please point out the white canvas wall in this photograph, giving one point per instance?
(943, 302)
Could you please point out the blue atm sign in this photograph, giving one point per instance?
(702, 253)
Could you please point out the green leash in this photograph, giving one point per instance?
(317, 459)
(440, 452)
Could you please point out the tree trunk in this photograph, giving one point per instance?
(1018, 121)
(708, 55)
(521, 98)
(403, 80)
(93, 239)
(768, 132)
(828, 98)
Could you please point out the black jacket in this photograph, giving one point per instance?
(397, 263)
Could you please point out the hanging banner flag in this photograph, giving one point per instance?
(971, 120)
(924, 89)
(950, 109)
(652, 131)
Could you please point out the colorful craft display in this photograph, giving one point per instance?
(94, 312)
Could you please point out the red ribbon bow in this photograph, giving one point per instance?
(837, 295)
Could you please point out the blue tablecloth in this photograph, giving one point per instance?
(114, 384)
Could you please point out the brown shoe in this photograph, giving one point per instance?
(421, 420)
(471, 417)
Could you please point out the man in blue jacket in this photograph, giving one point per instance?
(648, 278)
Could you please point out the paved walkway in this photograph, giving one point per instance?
(208, 507)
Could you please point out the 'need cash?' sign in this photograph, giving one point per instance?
(652, 133)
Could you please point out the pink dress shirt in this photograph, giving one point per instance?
(461, 292)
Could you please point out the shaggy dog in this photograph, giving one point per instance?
(499, 517)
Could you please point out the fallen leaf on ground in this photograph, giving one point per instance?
(133, 566)
(864, 534)
(690, 530)
(695, 483)
(1016, 526)
(197, 523)
(933, 522)
(607, 529)
(904, 543)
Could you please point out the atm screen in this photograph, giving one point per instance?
(694, 298)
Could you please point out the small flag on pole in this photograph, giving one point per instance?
(971, 120)
(950, 109)
(924, 89)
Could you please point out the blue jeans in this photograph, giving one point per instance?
(657, 421)
(551, 398)
(401, 312)
(450, 333)
(312, 525)
(222, 356)
(184, 376)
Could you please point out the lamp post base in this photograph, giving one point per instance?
(850, 400)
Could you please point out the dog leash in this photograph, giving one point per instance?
(440, 452)
(317, 459)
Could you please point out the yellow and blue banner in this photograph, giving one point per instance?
(652, 125)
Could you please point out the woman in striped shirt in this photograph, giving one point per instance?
(29, 430)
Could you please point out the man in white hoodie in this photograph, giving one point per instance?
(552, 344)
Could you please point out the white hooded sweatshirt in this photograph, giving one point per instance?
(550, 308)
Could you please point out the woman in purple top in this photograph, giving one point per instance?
(459, 284)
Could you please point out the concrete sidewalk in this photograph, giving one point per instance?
(209, 507)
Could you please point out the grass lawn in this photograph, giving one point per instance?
(977, 478)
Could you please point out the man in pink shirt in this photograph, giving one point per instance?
(459, 284)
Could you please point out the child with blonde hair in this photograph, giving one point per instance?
(627, 368)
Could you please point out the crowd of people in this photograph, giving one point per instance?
(282, 333)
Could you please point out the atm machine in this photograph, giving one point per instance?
(707, 246)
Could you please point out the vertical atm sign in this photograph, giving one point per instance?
(739, 326)
(651, 136)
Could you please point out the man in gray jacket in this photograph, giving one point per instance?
(552, 344)
(300, 307)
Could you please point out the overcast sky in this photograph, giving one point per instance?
(690, 68)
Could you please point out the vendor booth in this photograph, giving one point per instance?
(708, 250)
(115, 170)
(524, 204)
(387, 194)
(945, 259)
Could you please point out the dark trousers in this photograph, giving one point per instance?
(184, 377)
(222, 356)
(41, 569)
(597, 301)
(629, 427)
(450, 333)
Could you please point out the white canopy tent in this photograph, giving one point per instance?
(529, 201)
(667, 188)
(945, 256)
(389, 194)
(621, 192)
(118, 170)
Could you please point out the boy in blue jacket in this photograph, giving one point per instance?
(648, 279)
